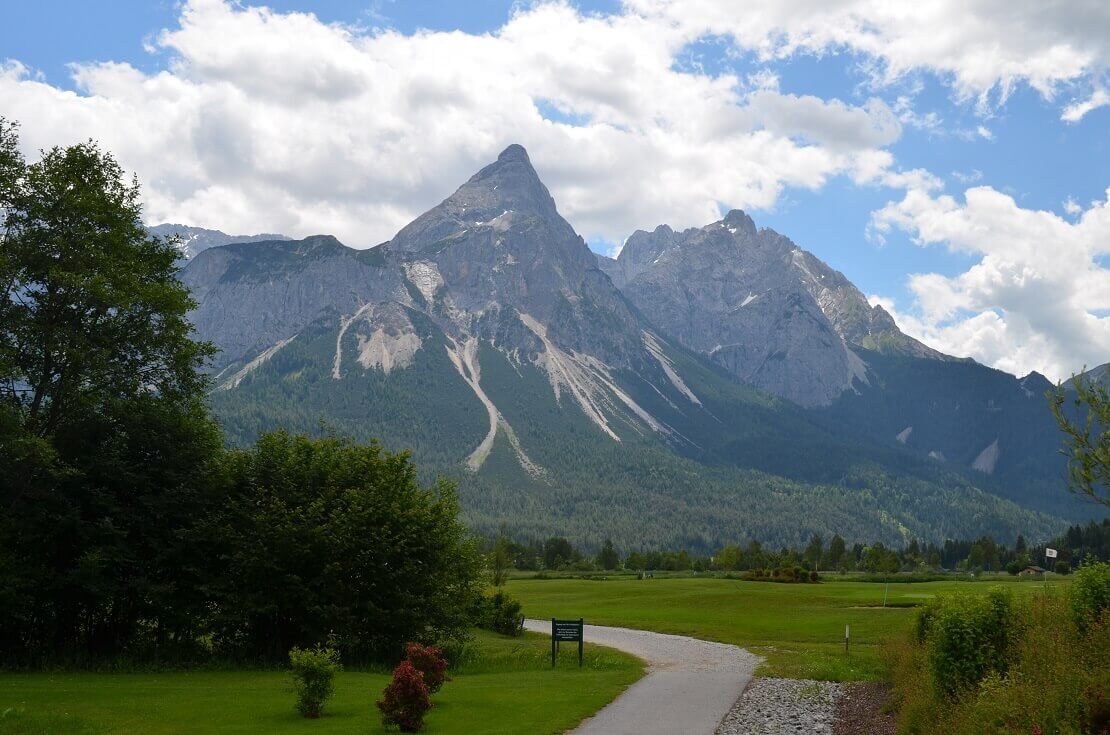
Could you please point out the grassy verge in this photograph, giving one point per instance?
(799, 628)
(501, 685)
(1055, 680)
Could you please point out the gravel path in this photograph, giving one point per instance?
(689, 687)
(861, 711)
(784, 707)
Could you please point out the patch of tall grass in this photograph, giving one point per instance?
(1005, 664)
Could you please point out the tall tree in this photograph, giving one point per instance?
(814, 550)
(608, 558)
(1087, 444)
(91, 311)
(101, 408)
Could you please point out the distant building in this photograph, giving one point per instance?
(1031, 572)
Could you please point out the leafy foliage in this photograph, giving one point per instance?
(405, 701)
(313, 671)
(1055, 682)
(1090, 595)
(1088, 445)
(430, 662)
(499, 612)
(968, 636)
(327, 537)
(112, 454)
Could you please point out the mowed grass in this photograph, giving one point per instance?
(798, 628)
(503, 685)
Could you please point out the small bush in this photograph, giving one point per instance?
(969, 636)
(429, 661)
(405, 701)
(313, 672)
(499, 613)
(1090, 593)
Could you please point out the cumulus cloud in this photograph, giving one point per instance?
(280, 122)
(1036, 298)
(984, 47)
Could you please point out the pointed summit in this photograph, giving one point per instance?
(508, 188)
(514, 152)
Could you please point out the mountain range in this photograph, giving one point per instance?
(705, 386)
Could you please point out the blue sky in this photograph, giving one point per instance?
(812, 125)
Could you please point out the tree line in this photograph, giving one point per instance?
(985, 554)
(127, 530)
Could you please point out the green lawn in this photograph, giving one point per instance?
(503, 685)
(799, 628)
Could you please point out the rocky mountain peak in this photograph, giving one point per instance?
(507, 190)
(737, 221)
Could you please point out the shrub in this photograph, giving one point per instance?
(405, 701)
(429, 661)
(1056, 680)
(1090, 593)
(313, 672)
(499, 613)
(969, 636)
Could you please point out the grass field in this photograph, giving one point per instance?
(799, 628)
(503, 685)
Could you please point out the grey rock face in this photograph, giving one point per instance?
(494, 264)
(758, 305)
(194, 240)
(253, 295)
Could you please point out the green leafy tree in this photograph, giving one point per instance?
(115, 465)
(608, 558)
(1087, 445)
(836, 551)
(814, 551)
(500, 560)
(327, 537)
(557, 551)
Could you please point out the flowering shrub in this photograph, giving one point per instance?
(429, 661)
(405, 701)
(313, 674)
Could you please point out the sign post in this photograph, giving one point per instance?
(566, 630)
(1048, 554)
(846, 633)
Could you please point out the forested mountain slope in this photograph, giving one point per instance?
(486, 338)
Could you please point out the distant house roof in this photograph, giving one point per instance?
(1032, 570)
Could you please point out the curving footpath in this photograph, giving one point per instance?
(689, 688)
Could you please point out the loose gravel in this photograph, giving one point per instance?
(784, 707)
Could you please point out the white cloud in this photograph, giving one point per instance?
(1033, 299)
(279, 122)
(984, 132)
(1075, 111)
(980, 47)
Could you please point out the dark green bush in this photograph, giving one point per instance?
(1090, 593)
(969, 636)
(313, 672)
(499, 613)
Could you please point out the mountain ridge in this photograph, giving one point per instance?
(487, 338)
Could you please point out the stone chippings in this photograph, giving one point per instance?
(783, 707)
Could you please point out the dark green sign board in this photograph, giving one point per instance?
(566, 630)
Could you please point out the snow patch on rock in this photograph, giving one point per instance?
(904, 434)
